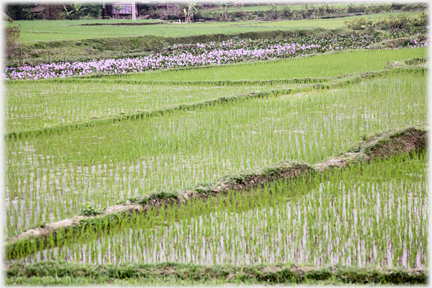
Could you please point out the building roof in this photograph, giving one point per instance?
(126, 8)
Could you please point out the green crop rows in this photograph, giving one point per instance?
(327, 65)
(50, 176)
(39, 104)
(361, 217)
(77, 145)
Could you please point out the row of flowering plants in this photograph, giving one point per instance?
(348, 41)
(213, 53)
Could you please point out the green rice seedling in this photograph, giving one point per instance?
(131, 158)
(41, 104)
(306, 229)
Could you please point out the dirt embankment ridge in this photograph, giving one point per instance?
(200, 274)
(378, 146)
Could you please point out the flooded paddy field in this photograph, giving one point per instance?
(50, 177)
(41, 104)
(368, 215)
(273, 157)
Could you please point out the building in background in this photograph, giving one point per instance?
(121, 9)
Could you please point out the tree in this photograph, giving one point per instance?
(92, 10)
(188, 10)
(224, 5)
(74, 10)
(16, 11)
(272, 13)
(51, 11)
(287, 12)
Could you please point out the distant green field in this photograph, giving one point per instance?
(66, 29)
(327, 65)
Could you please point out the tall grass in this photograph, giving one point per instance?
(369, 215)
(48, 177)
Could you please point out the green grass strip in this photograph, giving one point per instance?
(334, 82)
(146, 82)
(49, 273)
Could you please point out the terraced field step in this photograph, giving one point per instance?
(381, 145)
(177, 272)
(333, 82)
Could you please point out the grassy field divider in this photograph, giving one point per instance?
(381, 145)
(334, 82)
(127, 43)
(257, 274)
(162, 82)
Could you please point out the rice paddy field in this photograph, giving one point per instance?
(32, 105)
(50, 176)
(42, 104)
(324, 220)
(73, 159)
(327, 65)
(32, 31)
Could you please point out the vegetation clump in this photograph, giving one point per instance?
(88, 210)
(416, 23)
(192, 274)
(12, 34)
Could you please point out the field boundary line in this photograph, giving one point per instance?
(377, 146)
(162, 82)
(337, 82)
(280, 273)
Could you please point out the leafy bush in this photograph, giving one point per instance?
(401, 21)
(377, 8)
(413, 7)
(272, 13)
(88, 210)
(287, 12)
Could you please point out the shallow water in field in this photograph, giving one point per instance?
(373, 217)
(37, 105)
(49, 177)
